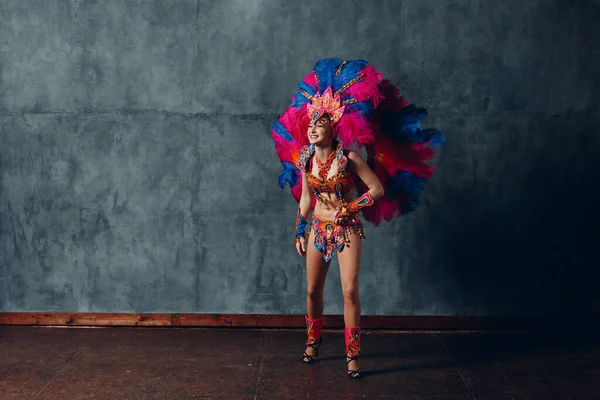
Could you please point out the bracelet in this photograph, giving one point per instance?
(300, 226)
(363, 201)
(344, 211)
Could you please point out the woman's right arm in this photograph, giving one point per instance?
(302, 217)
(306, 198)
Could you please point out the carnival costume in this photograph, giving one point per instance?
(367, 111)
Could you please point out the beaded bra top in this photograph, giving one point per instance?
(339, 183)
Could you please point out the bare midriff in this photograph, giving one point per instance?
(328, 206)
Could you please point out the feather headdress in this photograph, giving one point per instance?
(367, 111)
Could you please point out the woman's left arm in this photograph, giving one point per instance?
(368, 198)
(366, 175)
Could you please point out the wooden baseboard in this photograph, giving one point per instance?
(392, 322)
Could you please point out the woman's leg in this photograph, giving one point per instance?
(349, 259)
(316, 272)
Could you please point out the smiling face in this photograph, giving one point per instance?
(319, 132)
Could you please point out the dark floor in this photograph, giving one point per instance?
(151, 363)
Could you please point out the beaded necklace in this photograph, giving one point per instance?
(324, 166)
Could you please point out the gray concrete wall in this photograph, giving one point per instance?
(138, 173)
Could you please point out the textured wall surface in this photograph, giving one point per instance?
(137, 171)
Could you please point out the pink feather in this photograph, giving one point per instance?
(283, 148)
(354, 128)
(297, 190)
(368, 87)
(295, 120)
(311, 80)
(393, 99)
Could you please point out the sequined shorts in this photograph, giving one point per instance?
(330, 236)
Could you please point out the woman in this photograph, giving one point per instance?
(343, 104)
(336, 224)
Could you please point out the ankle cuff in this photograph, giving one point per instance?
(352, 339)
(313, 329)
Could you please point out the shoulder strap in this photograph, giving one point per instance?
(305, 154)
(342, 158)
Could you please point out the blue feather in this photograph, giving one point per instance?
(410, 128)
(325, 70)
(412, 113)
(281, 131)
(348, 72)
(410, 186)
(288, 175)
(405, 126)
(346, 97)
(299, 98)
(307, 88)
(436, 138)
(364, 107)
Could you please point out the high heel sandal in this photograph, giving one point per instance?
(309, 359)
(313, 340)
(352, 338)
(353, 373)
